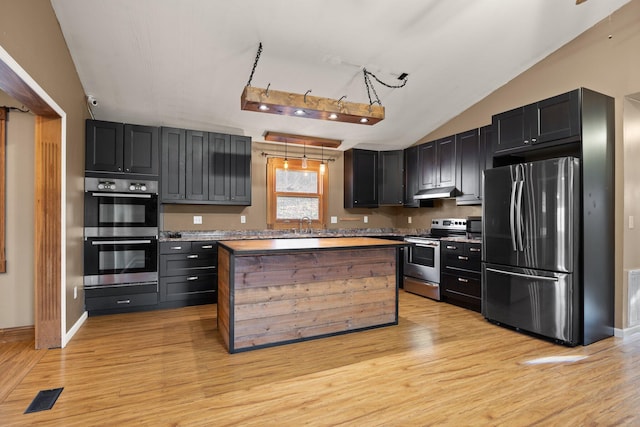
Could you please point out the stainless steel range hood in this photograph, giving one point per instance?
(436, 193)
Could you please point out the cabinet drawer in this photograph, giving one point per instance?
(176, 247)
(462, 284)
(121, 301)
(461, 255)
(186, 264)
(196, 286)
(204, 247)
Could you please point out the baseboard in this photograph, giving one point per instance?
(20, 333)
(76, 327)
(621, 333)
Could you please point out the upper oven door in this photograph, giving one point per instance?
(118, 260)
(120, 214)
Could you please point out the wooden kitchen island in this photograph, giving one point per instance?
(279, 291)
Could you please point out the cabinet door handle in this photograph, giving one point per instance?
(526, 141)
(176, 248)
(191, 278)
(207, 247)
(474, 249)
(533, 140)
(452, 247)
(460, 279)
(123, 301)
(464, 258)
(194, 256)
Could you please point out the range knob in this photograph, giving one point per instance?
(143, 187)
(132, 187)
(112, 186)
(100, 186)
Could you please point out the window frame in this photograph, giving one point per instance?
(274, 163)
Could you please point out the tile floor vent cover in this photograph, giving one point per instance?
(44, 400)
(634, 297)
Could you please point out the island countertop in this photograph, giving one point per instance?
(252, 247)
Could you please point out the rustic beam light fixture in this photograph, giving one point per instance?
(314, 107)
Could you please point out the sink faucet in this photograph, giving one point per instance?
(305, 218)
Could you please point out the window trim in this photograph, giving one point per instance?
(274, 163)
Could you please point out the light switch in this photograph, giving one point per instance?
(243, 219)
(366, 219)
(334, 220)
(197, 219)
(409, 219)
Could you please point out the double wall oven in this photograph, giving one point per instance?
(121, 232)
(422, 257)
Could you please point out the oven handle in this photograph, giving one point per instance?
(121, 242)
(134, 195)
(423, 244)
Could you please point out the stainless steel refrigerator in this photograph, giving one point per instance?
(530, 252)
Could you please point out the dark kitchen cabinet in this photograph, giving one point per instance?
(173, 175)
(550, 120)
(390, 165)
(205, 168)
(197, 165)
(411, 176)
(121, 299)
(437, 163)
(188, 273)
(486, 153)
(460, 273)
(360, 178)
(121, 148)
(468, 167)
(229, 169)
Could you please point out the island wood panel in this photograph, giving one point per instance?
(284, 297)
(223, 295)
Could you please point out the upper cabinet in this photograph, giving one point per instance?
(360, 178)
(547, 121)
(468, 162)
(437, 163)
(205, 168)
(411, 176)
(391, 165)
(121, 148)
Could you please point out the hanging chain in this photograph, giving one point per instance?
(255, 64)
(369, 84)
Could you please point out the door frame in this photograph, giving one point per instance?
(50, 212)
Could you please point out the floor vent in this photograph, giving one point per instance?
(634, 297)
(44, 400)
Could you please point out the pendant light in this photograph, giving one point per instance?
(286, 161)
(322, 165)
(304, 157)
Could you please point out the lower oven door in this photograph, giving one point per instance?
(120, 261)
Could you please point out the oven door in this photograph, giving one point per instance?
(422, 260)
(120, 214)
(120, 261)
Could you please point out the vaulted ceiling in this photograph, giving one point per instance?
(184, 63)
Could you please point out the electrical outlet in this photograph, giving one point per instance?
(334, 220)
(366, 219)
(197, 219)
(75, 292)
(409, 219)
(243, 219)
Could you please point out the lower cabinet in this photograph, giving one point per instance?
(188, 273)
(460, 274)
(121, 299)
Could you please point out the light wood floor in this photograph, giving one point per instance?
(441, 365)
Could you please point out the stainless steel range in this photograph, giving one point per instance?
(422, 257)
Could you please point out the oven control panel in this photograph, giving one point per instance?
(120, 185)
(449, 223)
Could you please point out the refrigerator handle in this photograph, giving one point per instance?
(526, 276)
(519, 216)
(512, 212)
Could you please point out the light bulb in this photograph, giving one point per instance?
(304, 162)
(323, 167)
(364, 120)
(263, 107)
(286, 164)
(333, 116)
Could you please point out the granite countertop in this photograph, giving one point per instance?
(462, 239)
(167, 236)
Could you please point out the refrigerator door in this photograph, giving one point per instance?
(547, 215)
(536, 301)
(498, 215)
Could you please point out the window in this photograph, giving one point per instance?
(295, 193)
